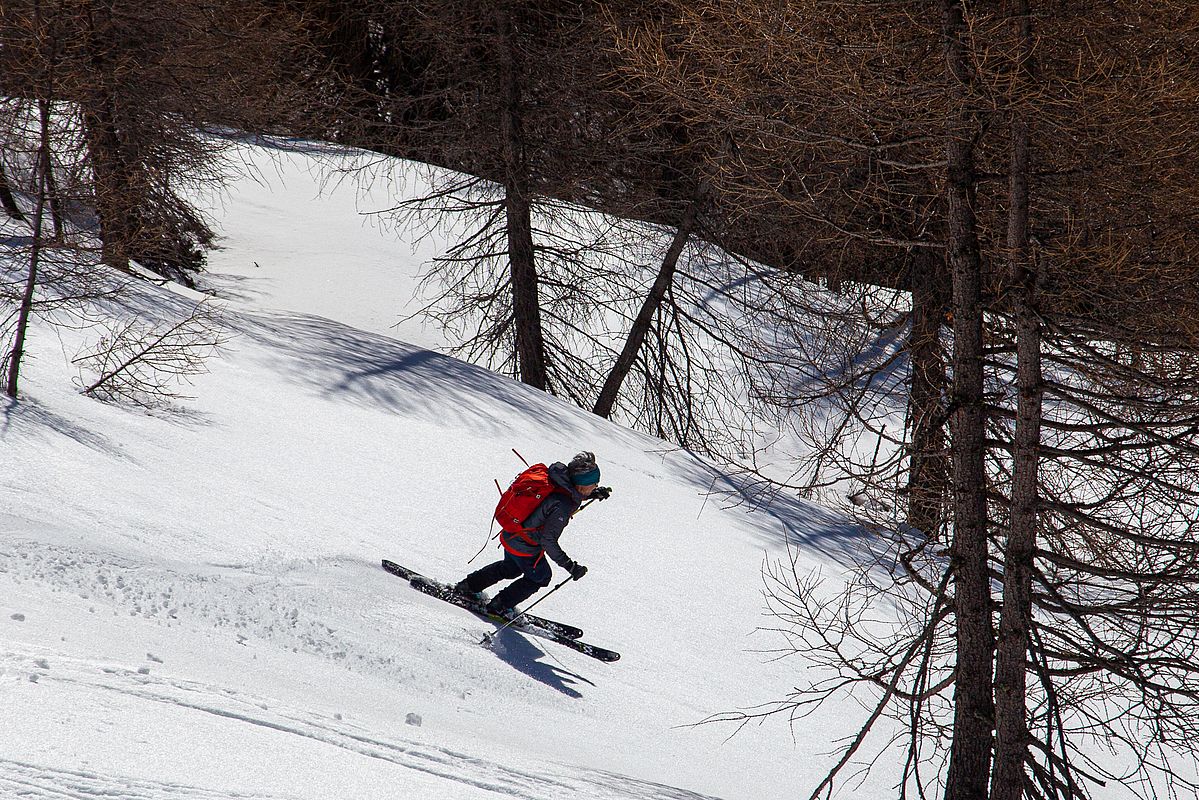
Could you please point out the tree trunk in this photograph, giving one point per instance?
(645, 317)
(526, 308)
(1011, 715)
(109, 186)
(23, 314)
(54, 201)
(970, 755)
(928, 466)
(6, 197)
(110, 175)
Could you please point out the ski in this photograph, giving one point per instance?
(446, 592)
(599, 653)
(535, 626)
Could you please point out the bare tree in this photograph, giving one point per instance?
(1071, 509)
(146, 81)
(642, 323)
(488, 65)
(665, 158)
(40, 68)
(616, 334)
(25, 307)
(970, 757)
(928, 470)
(143, 364)
(526, 310)
(1015, 621)
(835, 182)
(104, 124)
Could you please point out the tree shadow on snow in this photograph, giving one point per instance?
(381, 372)
(16, 242)
(775, 516)
(27, 415)
(522, 654)
(241, 288)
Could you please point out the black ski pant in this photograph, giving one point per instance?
(533, 572)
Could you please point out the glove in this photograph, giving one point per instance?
(577, 570)
(601, 492)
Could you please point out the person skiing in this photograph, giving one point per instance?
(535, 537)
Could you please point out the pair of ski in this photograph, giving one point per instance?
(567, 635)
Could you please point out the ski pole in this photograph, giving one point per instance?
(551, 591)
(509, 623)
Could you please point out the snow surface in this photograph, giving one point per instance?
(191, 603)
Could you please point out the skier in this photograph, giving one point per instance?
(525, 550)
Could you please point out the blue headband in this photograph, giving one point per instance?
(588, 478)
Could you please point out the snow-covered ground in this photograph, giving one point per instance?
(191, 603)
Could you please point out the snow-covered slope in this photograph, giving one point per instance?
(191, 604)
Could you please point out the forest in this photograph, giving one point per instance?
(950, 245)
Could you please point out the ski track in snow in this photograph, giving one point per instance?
(251, 605)
(32, 781)
(314, 441)
(261, 606)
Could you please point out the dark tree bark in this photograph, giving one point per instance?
(58, 219)
(104, 149)
(970, 756)
(928, 471)
(645, 316)
(23, 313)
(359, 71)
(530, 342)
(104, 146)
(7, 200)
(1011, 665)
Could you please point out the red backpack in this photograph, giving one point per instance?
(521, 499)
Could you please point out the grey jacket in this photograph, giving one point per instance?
(548, 520)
